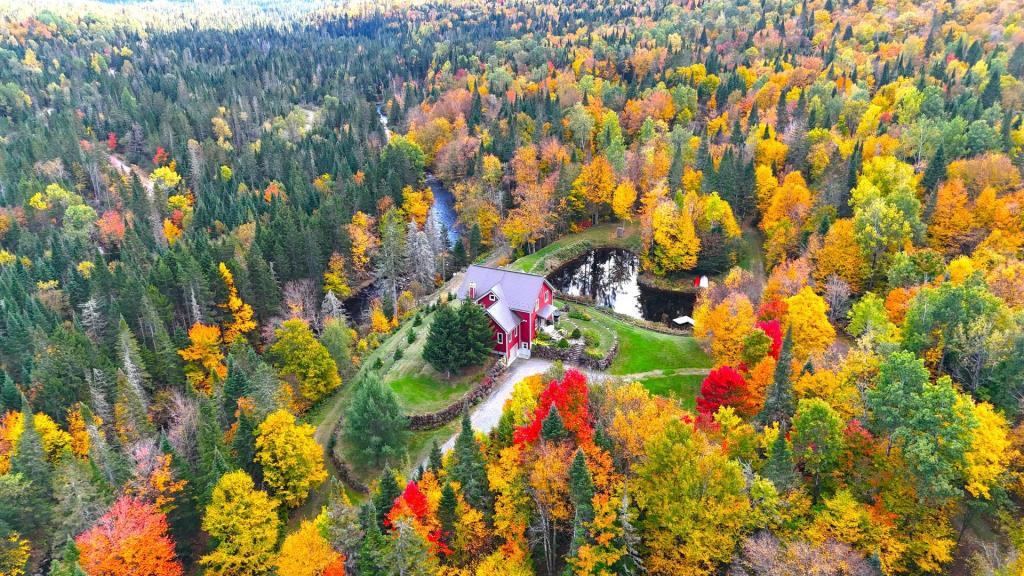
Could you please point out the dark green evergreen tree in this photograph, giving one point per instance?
(375, 424)
(779, 403)
(475, 335)
(475, 242)
(779, 468)
(368, 563)
(469, 469)
(935, 172)
(10, 396)
(552, 428)
(387, 492)
(447, 514)
(213, 456)
(66, 564)
(441, 347)
(29, 460)
(581, 491)
(434, 461)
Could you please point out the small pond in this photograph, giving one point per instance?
(610, 276)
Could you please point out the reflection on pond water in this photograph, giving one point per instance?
(610, 276)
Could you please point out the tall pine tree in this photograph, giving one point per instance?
(779, 403)
(469, 469)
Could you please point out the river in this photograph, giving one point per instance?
(442, 210)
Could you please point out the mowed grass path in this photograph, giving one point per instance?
(684, 388)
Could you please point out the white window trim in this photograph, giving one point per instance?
(501, 337)
(491, 297)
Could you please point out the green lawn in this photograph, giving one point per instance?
(642, 350)
(424, 393)
(571, 245)
(683, 387)
(418, 386)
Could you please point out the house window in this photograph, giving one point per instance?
(501, 338)
(491, 298)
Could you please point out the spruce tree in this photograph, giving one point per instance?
(469, 469)
(375, 424)
(441, 347)
(213, 461)
(236, 385)
(67, 563)
(10, 396)
(935, 172)
(447, 514)
(434, 461)
(368, 561)
(779, 467)
(243, 445)
(779, 403)
(552, 428)
(475, 242)
(474, 335)
(29, 460)
(407, 553)
(387, 492)
(581, 491)
(992, 93)
(459, 256)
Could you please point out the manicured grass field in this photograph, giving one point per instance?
(424, 393)
(642, 350)
(418, 386)
(682, 387)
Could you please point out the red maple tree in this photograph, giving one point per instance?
(570, 396)
(724, 386)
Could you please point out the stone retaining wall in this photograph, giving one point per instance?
(601, 364)
(344, 472)
(432, 420)
(551, 352)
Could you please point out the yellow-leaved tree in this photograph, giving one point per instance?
(305, 363)
(675, 244)
(292, 461)
(241, 322)
(725, 327)
(807, 316)
(306, 552)
(244, 522)
(204, 356)
(623, 199)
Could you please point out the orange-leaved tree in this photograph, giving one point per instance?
(204, 356)
(129, 540)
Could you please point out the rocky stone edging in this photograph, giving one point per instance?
(436, 419)
(344, 472)
(575, 354)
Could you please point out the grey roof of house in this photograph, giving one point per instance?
(519, 289)
(501, 314)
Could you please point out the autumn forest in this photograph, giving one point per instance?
(512, 288)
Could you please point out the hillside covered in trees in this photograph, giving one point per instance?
(226, 275)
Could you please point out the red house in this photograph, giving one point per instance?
(516, 302)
